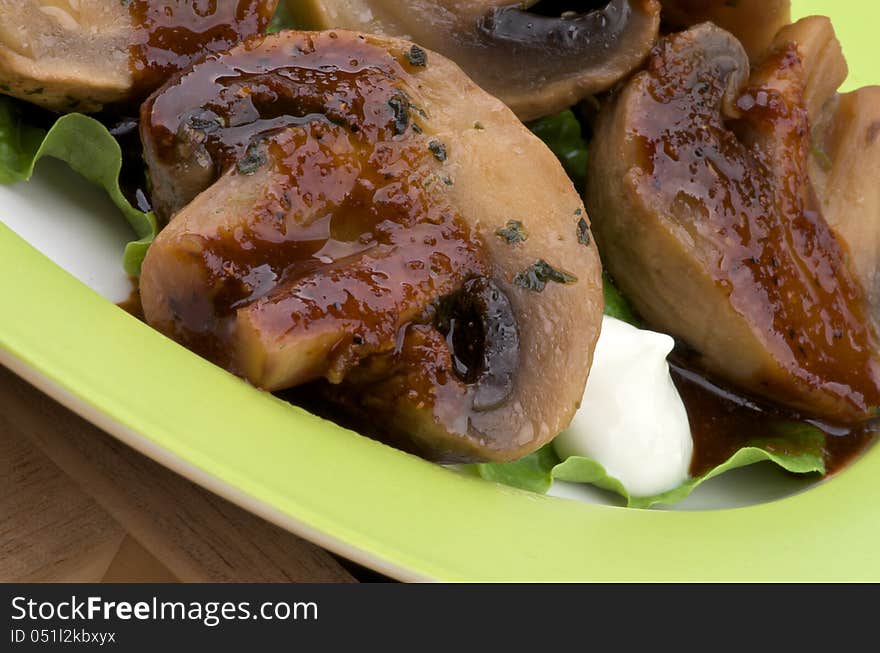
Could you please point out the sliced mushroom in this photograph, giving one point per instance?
(537, 64)
(754, 22)
(335, 201)
(845, 161)
(845, 170)
(705, 215)
(78, 55)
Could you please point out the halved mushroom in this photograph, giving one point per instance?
(706, 217)
(845, 169)
(754, 22)
(79, 55)
(537, 63)
(845, 161)
(335, 201)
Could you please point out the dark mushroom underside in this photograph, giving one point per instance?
(537, 63)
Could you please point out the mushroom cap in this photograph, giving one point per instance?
(844, 168)
(341, 209)
(79, 55)
(537, 65)
(845, 161)
(707, 219)
(754, 23)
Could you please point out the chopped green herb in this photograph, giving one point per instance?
(419, 110)
(418, 57)
(252, 160)
(416, 128)
(479, 126)
(583, 231)
(539, 274)
(438, 149)
(206, 122)
(513, 233)
(400, 106)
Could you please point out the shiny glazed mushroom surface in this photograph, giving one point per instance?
(79, 55)
(340, 209)
(705, 212)
(538, 57)
(359, 222)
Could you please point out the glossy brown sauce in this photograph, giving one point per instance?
(749, 204)
(351, 232)
(375, 242)
(170, 35)
(723, 422)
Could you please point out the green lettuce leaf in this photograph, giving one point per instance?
(562, 134)
(616, 304)
(795, 447)
(88, 148)
(533, 473)
(281, 20)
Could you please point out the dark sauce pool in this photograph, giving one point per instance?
(723, 422)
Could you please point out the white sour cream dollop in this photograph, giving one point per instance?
(632, 419)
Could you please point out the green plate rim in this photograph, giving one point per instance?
(389, 510)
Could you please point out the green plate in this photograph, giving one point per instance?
(391, 511)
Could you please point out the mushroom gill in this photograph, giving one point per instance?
(78, 55)
(536, 62)
(334, 200)
(706, 216)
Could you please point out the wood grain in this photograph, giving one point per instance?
(194, 534)
(49, 528)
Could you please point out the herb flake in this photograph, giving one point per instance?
(253, 159)
(583, 232)
(513, 233)
(418, 57)
(400, 106)
(438, 149)
(539, 274)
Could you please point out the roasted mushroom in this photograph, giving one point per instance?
(353, 208)
(754, 22)
(706, 216)
(845, 161)
(537, 63)
(845, 170)
(78, 55)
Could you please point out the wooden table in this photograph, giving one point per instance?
(78, 505)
